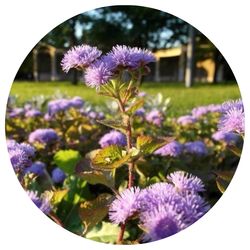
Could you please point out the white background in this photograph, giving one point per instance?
(24, 23)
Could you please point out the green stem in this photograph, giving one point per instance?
(121, 234)
(130, 164)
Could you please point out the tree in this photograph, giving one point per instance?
(190, 58)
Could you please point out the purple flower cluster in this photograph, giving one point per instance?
(140, 112)
(58, 175)
(128, 57)
(20, 155)
(100, 70)
(111, 138)
(163, 208)
(125, 205)
(61, 105)
(80, 57)
(36, 168)
(233, 117)
(186, 182)
(173, 149)
(155, 117)
(94, 115)
(33, 113)
(16, 112)
(196, 147)
(43, 203)
(43, 136)
(227, 137)
(99, 73)
(186, 120)
(203, 110)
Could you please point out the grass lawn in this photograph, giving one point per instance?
(182, 99)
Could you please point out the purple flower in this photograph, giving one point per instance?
(124, 206)
(186, 182)
(186, 120)
(43, 203)
(76, 102)
(20, 155)
(164, 210)
(173, 149)
(19, 159)
(111, 138)
(215, 108)
(59, 105)
(141, 57)
(226, 106)
(58, 175)
(16, 112)
(228, 138)
(30, 151)
(47, 117)
(127, 57)
(33, 113)
(155, 117)
(121, 56)
(99, 73)
(140, 112)
(80, 57)
(27, 106)
(199, 111)
(161, 222)
(142, 94)
(203, 110)
(197, 147)
(36, 168)
(156, 195)
(233, 117)
(44, 136)
(195, 207)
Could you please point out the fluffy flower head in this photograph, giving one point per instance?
(173, 149)
(80, 57)
(111, 138)
(124, 206)
(197, 147)
(186, 182)
(44, 136)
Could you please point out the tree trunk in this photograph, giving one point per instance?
(189, 74)
(217, 61)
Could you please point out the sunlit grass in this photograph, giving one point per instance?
(182, 99)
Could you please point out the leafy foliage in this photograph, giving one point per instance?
(92, 212)
(110, 157)
(67, 160)
(107, 233)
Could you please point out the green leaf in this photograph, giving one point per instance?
(234, 149)
(117, 124)
(67, 160)
(58, 196)
(135, 106)
(98, 177)
(93, 176)
(223, 179)
(92, 212)
(225, 175)
(110, 157)
(147, 144)
(221, 184)
(107, 233)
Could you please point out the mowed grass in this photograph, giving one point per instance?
(182, 99)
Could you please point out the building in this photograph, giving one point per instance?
(169, 67)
